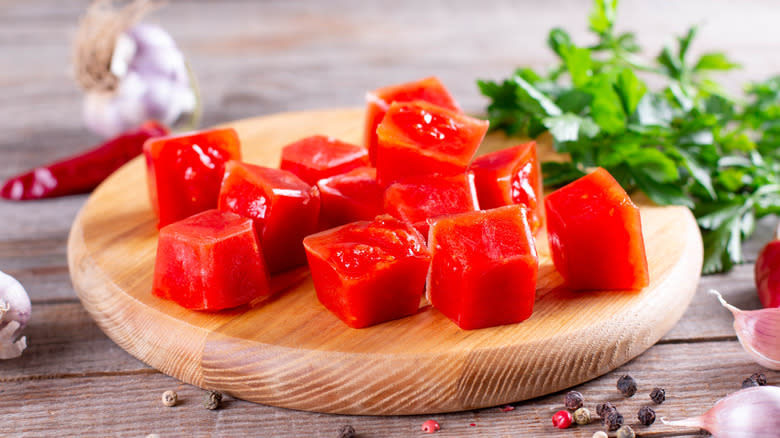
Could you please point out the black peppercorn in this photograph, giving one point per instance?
(748, 383)
(573, 400)
(602, 409)
(347, 431)
(626, 385)
(658, 395)
(646, 415)
(759, 378)
(613, 420)
(212, 400)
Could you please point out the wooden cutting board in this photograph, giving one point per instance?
(290, 352)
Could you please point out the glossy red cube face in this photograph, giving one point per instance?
(284, 209)
(317, 157)
(596, 234)
(419, 138)
(511, 176)
(350, 197)
(378, 101)
(184, 171)
(368, 272)
(483, 267)
(210, 261)
(418, 198)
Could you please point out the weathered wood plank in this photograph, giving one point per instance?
(78, 406)
(63, 340)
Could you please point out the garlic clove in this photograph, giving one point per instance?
(125, 49)
(14, 301)
(100, 115)
(9, 347)
(758, 331)
(749, 413)
(158, 54)
(15, 310)
(151, 37)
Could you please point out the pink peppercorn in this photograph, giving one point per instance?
(430, 426)
(562, 419)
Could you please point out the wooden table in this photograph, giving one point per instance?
(255, 58)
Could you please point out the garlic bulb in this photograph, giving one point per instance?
(140, 75)
(15, 311)
(758, 331)
(749, 413)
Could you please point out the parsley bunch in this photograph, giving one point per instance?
(687, 143)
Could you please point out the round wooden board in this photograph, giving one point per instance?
(291, 352)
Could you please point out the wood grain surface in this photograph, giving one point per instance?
(254, 58)
(291, 352)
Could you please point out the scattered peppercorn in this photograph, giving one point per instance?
(212, 400)
(613, 420)
(562, 419)
(430, 426)
(658, 395)
(759, 378)
(748, 383)
(600, 434)
(602, 409)
(573, 400)
(582, 416)
(626, 432)
(626, 385)
(646, 415)
(347, 431)
(169, 398)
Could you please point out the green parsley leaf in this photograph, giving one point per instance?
(714, 61)
(603, 16)
(686, 143)
(630, 89)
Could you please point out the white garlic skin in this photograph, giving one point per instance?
(15, 298)
(154, 83)
(15, 311)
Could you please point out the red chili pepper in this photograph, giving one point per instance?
(83, 172)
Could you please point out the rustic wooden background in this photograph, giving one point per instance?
(255, 58)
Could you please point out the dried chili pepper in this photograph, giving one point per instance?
(83, 172)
